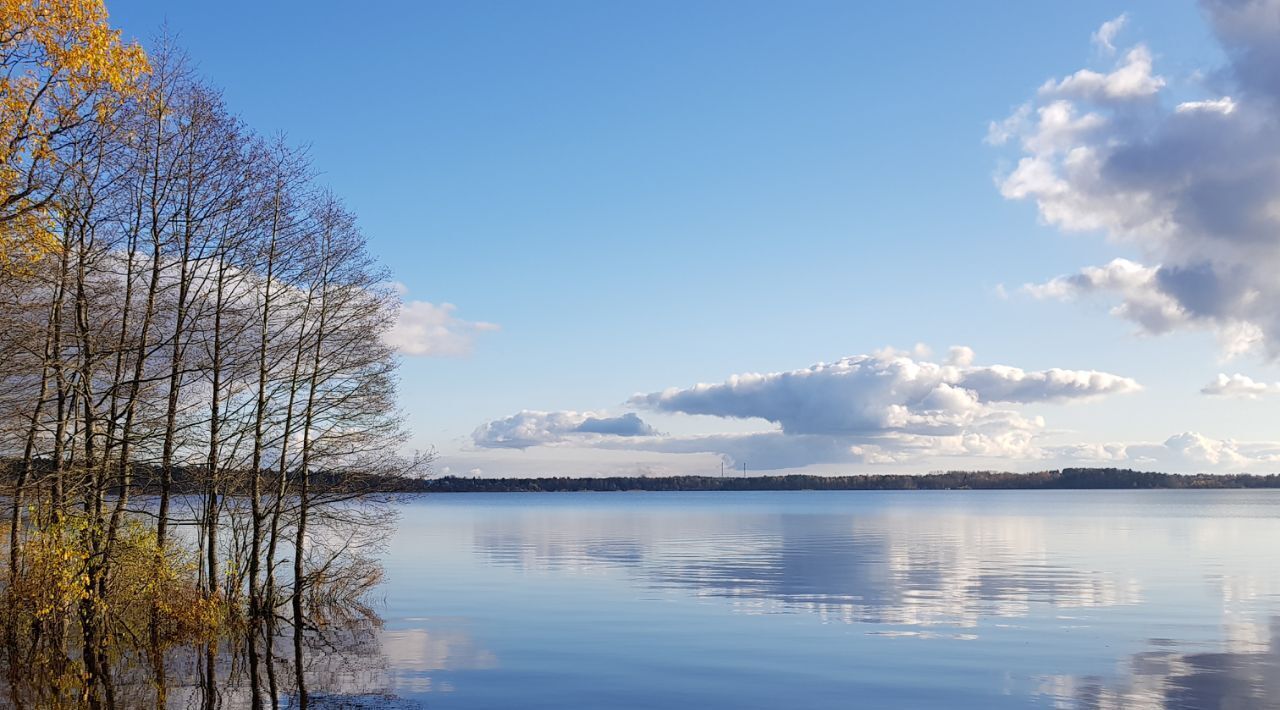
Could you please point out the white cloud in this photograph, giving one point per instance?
(1001, 383)
(887, 407)
(1141, 299)
(1240, 386)
(1059, 128)
(1198, 449)
(1131, 79)
(1194, 188)
(777, 450)
(762, 451)
(999, 132)
(1188, 452)
(1224, 106)
(885, 392)
(424, 328)
(1106, 35)
(960, 356)
(534, 428)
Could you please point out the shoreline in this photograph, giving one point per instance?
(1064, 479)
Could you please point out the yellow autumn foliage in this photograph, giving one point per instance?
(147, 602)
(52, 585)
(62, 68)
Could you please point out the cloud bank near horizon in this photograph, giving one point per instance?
(887, 407)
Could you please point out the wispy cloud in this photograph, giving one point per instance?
(1105, 37)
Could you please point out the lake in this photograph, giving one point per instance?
(795, 600)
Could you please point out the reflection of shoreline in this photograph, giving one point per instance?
(947, 570)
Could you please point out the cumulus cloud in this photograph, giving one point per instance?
(1247, 30)
(886, 392)
(960, 356)
(1188, 452)
(533, 428)
(1141, 298)
(887, 407)
(424, 328)
(1194, 186)
(1130, 79)
(628, 424)
(1240, 386)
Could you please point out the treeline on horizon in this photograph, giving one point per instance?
(1064, 479)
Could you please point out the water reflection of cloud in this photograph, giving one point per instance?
(351, 665)
(997, 578)
(1242, 674)
(947, 569)
(434, 650)
(415, 656)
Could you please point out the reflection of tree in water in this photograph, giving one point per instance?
(343, 657)
(950, 570)
(346, 657)
(343, 665)
(1243, 676)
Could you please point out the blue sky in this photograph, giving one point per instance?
(643, 196)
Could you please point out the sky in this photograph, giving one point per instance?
(662, 237)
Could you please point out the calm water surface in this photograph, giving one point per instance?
(834, 599)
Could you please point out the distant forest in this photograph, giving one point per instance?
(1067, 478)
